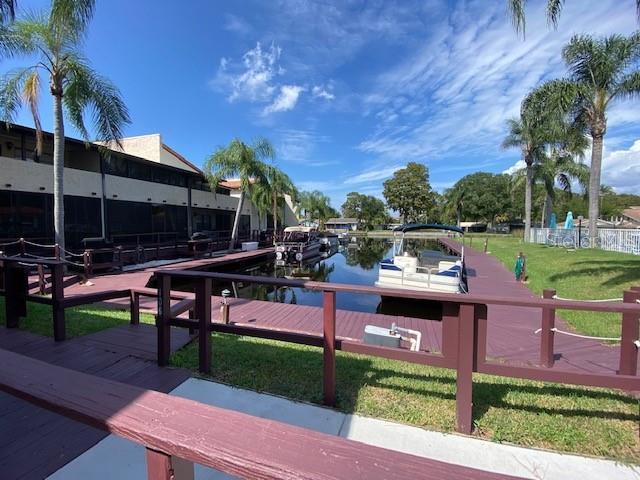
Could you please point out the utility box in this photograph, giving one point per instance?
(381, 336)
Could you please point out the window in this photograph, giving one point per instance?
(115, 165)
(81, 218)
(140, 171)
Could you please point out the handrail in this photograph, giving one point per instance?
(229, 441)
(466, 298)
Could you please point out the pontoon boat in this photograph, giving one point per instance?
(429, 271)
(298, 243)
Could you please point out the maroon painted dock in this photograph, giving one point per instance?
(511, 334)
(35, 442)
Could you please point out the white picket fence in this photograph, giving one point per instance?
(613, 239)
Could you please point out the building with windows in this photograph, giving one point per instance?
(142, 189)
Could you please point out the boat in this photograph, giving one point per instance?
(328, 240)
(427, 271)
(297, 244)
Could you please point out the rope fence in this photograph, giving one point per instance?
(588, 337)
(556, 297)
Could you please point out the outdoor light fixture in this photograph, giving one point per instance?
(164, 201)
(115, 196)
(42, 188)
(94, 193)
(149, 199)
(8, 185)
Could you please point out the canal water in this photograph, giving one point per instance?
(356, 262)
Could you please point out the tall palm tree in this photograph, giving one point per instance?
(602, 71)
(527, 134)
(52, 42)
(516, 10)
(280, 185)
(242, 160)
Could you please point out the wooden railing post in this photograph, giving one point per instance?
(87, 260)
(57, 302)
(203, 314)
(162, 319)
(329, 347)
(161, 466)
(42, 283)
(464, 377)
(134, 307)
(56, 251)
(546, 331)
(629, 335)
(23, 247)
(450, 313)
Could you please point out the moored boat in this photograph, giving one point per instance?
(297, 244)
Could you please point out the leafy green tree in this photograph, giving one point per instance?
(52, 42)
(516, 10)
(244, 161)
(480, 196)
(368, 210)
(409, 193)
(316, 206)
(280, 185)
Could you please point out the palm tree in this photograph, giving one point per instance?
(527, 134)
(554, 8)
(242, 160)
(53, 40)
(316, 206)
(602, 71)
(281, 184)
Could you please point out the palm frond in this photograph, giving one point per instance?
(516, 9)
(554, 7)
(84, 91)
(31, 95)
(7, 10)
(69, 18)
(629, 86)
(11, 87)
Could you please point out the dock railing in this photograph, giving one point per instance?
(464, 334)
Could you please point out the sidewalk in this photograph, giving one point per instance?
(121, 459)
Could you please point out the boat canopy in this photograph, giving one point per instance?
(299, 229)
(410, 227)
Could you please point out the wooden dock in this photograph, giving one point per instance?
(35, 442)
(511, 334)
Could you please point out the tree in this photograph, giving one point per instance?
(554, 8)
(244, 161)
(280, 185)
(368, 210)
(316, 206)
(7, 10)
(602, 71)
(480, 196)
(408, 192)
(53, 40)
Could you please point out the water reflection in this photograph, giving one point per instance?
(353, 263)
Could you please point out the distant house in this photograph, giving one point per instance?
(338, 225)
(473, 226)
(631, 216)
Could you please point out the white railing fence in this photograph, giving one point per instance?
(612, 239)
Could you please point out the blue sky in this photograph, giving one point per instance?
(348, 91)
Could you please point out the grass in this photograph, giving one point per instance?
(80, 321)
(580, 274)
(572, 419)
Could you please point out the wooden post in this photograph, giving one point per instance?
(630, 333)
(464, 377)
(165, 467)
(546, 331)
(329, 347)
(203, 314)
(480, 328)
(16, 286)
(450, 313)
(42, 284)
(57, 302)
(134, 307)
(486, 244)
(162, 319)
(56, 251)
(86, 257)
(23, 247)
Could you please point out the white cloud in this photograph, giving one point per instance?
(286, 99)
(235, 24)
(470, 73)
(321, 92)
(621, 169)
(373, 175)
(516, 167)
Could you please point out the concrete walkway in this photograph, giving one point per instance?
(121, 459)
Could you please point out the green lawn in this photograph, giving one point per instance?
(573, 419)
(81, 320)
(580, 274)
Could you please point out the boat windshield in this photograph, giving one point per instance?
(296, 237)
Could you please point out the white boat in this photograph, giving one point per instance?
(431, 271)
(328, 240)
(297, 244)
